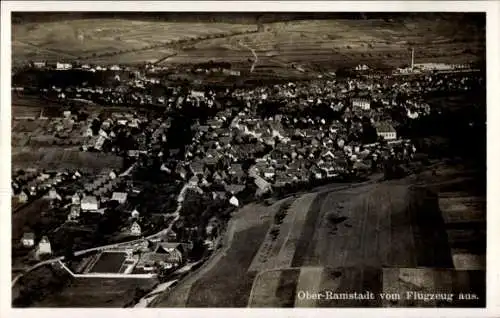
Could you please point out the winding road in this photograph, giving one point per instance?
(180, 199)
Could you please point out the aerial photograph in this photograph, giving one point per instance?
(248, 159)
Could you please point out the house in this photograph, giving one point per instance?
(89, 203)
(234, 201)
(262, 185)
(269, 173)
(166, 255)
(23, 197)
(53, 195)
(197, 94)
(214, 123)
(121, 197)
(135, 229)
(316, 173)
(181, 171)
(44, 247)
(385, 130)
(112, 175)
(63, 66)
(362, 103)
(234, 188)
(28, 239)
(197, 167)
(39, 64)
(282, 180)
(236, 170)
(74, 212)
(135, 214)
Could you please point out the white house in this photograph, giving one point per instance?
(362, 103)
(135, 214)
(198, 94)
(39, 64)
(135, 229)
(234, 201)
(386, 131)
(28, 239)
(89, 203)
(63, 66)
(44, 247)
(121, 197)
(75, 199)
(23, 197)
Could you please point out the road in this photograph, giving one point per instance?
(180, 199)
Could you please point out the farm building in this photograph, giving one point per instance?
(28, 239)
(385, 130)
(89, 203)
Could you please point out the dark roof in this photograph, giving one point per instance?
(383, 127)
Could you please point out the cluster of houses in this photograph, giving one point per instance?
(64, 66)
(31, 183)
(42, 248)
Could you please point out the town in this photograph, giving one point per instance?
(135, 171)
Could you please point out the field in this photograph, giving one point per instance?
(369, 237)
(98, 292)
(110, 262)
(53, 158)
(91, 38)
(312, 44)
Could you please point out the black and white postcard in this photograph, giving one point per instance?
(166, 157)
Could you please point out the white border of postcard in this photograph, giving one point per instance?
(492, 8)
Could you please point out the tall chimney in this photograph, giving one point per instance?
(412, 58)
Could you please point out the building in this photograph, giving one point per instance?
(39, 64)
(53, 195)
(121, 197)
(135, 229)
(166, 255)
(89, 203)
(23, 197)
(28, 239)
(74, 212)
(75, 199)
(234, 201)
(386, 131)
(231, 72)
(63, 66)
(197, 94)
(44, 247)
(135, 214)
(362, 103)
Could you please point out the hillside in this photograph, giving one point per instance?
(388, 237)
(310, 43)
